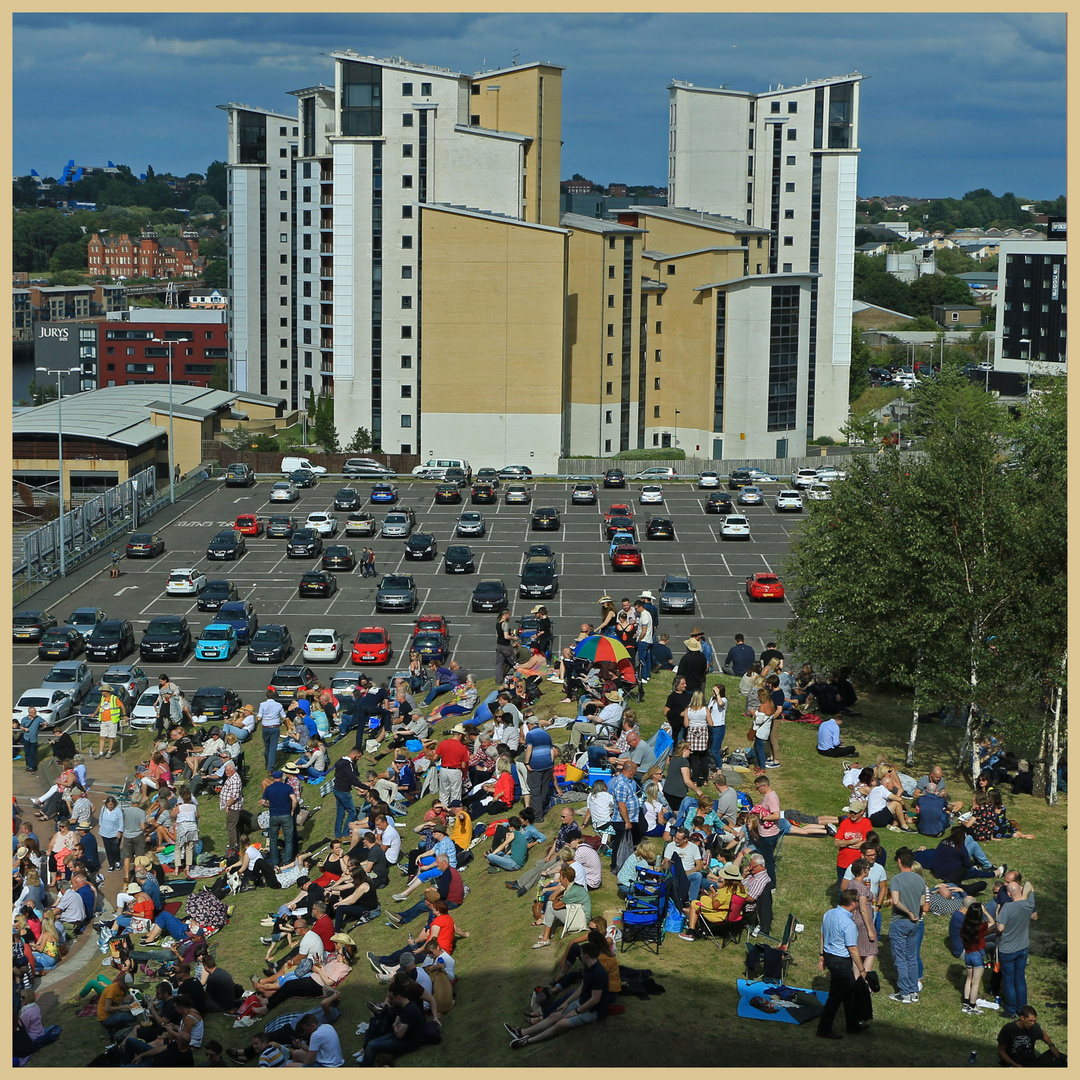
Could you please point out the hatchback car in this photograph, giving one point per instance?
(764, 586)
(539, 578)
(318, 583)
(239, 475)
(621, 539)
(371, 646)
(72, 677)
(804, 478)
(28, 626)
(241, 617)
(249, 525)
(483, 493)
(168, 637)
(627, 557)
(735, 527)
(288, 678)
(60, 643)
(619, 510)
(490, 595)
(360, 523)
(677, 594)
(145, 711)
(545, 517)
(659, 528)
(614, 478)
(533, 550)
(829, 473)
(431, 647)
(343, 683)
(398, 524)
(486, 476)
(84, 619)
(185, 581)
(217, 592)
(145, 546)
(459, 559)
(447, 493)
(788, 500)
(384, 493)
(270, 644)
(396, 592)
(227, 546)
(281, 526)
(284, 491)
(52, 706)
(515, 472)
(338, 557)
(818, 492)
(421, 546)
(517, 493)
(718, 502)
(433, 623)
(751, 495)
(454, 475)
(347, 499)
(112, 639)
(583, 495)
(323, 643)
(304, 478)
(651, 495)
(708, 479)
(471, 523)
(215, 703)
(304, 543)
(323, 523)
(216, 642)
(618, 524)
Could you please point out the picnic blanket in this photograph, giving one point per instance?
(806, 718)
(756, 998)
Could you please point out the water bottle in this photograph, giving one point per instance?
(971, 1057)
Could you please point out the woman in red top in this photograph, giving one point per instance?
(496, 796)
(973, 936)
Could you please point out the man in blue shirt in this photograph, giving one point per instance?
(445, 681)
(839, 952)
(30, 724)
(540, 761)
(282, 802)
(740, 657)
(828, 739)
(627, 806)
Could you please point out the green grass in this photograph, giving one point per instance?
(877, 397)
(497, 968)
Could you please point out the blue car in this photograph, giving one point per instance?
(384, 493)
(216, 642)
(620, 538)
(240, 615)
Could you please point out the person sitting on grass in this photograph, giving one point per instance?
(174, 1048)
(1016, 1043)
(441, 927)
(569, 892)
(407, 1022)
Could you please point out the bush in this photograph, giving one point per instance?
(823, 440)
(655, 453)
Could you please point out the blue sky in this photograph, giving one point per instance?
(950, 103)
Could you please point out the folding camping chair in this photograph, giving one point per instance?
(643, 913)
(722, 927)
(755, 951)
(579, 735)
(660, 744)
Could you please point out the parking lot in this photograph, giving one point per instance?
(269, 580)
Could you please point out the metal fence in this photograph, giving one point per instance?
(93, 525)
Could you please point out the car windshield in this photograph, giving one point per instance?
(267, 633)
(105, 632)
(539, 573)
(215, 587)
(489, 587)
(77, 618)
(677, 586)
(419, 540)
(202, 702)
(149, 697)
(314, 576)
(217, 633)
(456, 552)
(304, 534)
(59, 674)
(394, 583)
(369, 637)
(470, 516)
(164, 625)
(396, 519)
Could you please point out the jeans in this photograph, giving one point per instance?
(978, 856)
(270, 740)
(133, 1046)
(420, 908)
(766, 846)
(644, 652)
(716, 743)
(30, 754)
(241, 733)
(759, 751)
(904, 944)
(384, 1044)
(287, 824)
(346, 812)
(918, 947)
(695, 884)
(435, 691)
(117, 1020)
(1013, 980)
(503, 862)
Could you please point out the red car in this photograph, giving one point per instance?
(619, 510)
(764, 586)
(372, 646)
(627, 557)
(431, 624)
(249, 525)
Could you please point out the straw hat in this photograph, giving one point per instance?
(731, 872)
(605, 600)
(290, 769)
(458, 729)
(343, 939)
(693, 644)
(613, 695)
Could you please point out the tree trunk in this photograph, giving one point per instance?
(1055, 738)
(1039, 786)
(910, 757)
(970, 744)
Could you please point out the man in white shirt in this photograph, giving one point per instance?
(320, 1045)
(389, 838)
(270, 716)
(690, 856)
(610, 718)
(644, 639)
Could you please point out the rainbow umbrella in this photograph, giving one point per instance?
(599, 648)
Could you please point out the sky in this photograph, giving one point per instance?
(949, 103)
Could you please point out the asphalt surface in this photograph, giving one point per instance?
(268, 579)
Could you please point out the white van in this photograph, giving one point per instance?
(294, 464)
(435, 469)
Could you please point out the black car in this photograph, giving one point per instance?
(168, 637)
(490, 595)
(545, 517)
(112, 639)
(228, 545)
(483, 493)
(145, 546)
(421, 546)
(459, 559)
(396, 592)
(60, 643)
(216, 703)
(660, 528)
(614, 478)
(318, 583)
(281, 526)
(270, 644)
(347, 499)
(448, 493)
(303, 478)
(583, 495)
(534, 550)
(739, 478)
(455, 475)
(539, 578)
(216, 593)
(431, 647)
(30, 625)
(304, 542)
(619, 523)
(718, 502)
(338, 557)
(288, 678)
(239, 475)
(515, 472)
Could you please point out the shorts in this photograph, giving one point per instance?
(108, 731)
(975, 959)
(131, 846)
(581, 1019)
(798, 816)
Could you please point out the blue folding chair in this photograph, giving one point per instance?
(643, 913)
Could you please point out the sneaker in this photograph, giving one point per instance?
(772, 764)
(393, 918)
(400, 897)
(894, 828)
(914, 998)
(919, 988)
(904, 999)
(514, 1032)
(974, 1010)
(686, 937)
(266, 940)
(1000, 871)
(830, 829)
(846, 765)
(517, 1044)
(373, 960)
(383, 977)
(268, 921)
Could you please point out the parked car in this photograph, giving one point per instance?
(338, 557)
(433, 623)
(651, 495)
(145, 711)
(431, 647)
(323, 643)
(447, 493)
(490, 595)
(318, 583)
(764, 586)
(111, 640)
(539, 578)
(304, 543)
(804, 478)
(216, 642)
(84, 619)
(281, 526)
(366, 467)
(398, 524)
(517, 493)
(627, 557)
(751, 495)
(60, 643)
(168, 637)
(657, 473)
(486, 476)
(455, 475)
(239, 475)
(240, 615)
(384, 493)
(828, 473)
(215, 593)
(718, 502)
(72, 677)
(421, 546)
(53, 706)
(228, 546)
(818, 492)
(483, 493)
(619, 510)
(215, 703)
(677, 594)
(270, 644)
(789, 500)
(289, 678)
(396, 592)
(583, 494)
(360, 523)
(347, 499)
(459, 559)
(249, 525)
(741, 477)
(545, 517)
(614, 478)
(323, 523)
(284, 491)
(185, 581)
(343, 683)
(619, 524)
(371, 646)
(659, 528)
(28, 626)
(144, 545)
(515, 472)
(471, 523)
(305, 478)
(735, 527)
(621, 539)
(708, 479)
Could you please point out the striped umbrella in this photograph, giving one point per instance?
(599, 648)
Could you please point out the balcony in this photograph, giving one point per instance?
(327, 367)
(326, 272)
(326, 224)
(326, 200)
(327, 344)
(326, 249)
(327, 295)
(326, 177)
(327, 320)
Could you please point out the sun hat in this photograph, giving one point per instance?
(693, 644)
(343, 939)
(84, 825)
(22, 853)
(605, 600)
(290, 769)
(646, 595)
(458, 729)
(613, 695)
(539, 607)
(731, 872)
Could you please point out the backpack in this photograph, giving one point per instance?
(442, 990)
(932, 817)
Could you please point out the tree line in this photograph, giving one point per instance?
(976, 209)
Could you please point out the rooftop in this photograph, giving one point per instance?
(780, 88)
(699, 217)
(596, 225)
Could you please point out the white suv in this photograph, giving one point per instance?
(804, 478)
(323, 523)
(788, 500)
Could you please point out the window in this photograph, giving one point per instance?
(307, 359)
(306, 172)
(283, 174)
(475, 88)
(406, 273)
(87, 335)
(610, 359)
(284, 216)
(610, 329)
(657, 356)
(474, 118)
(671, 269)
(307, 217)
(406, 89)
(283, 301)
(406, 243)
(308, 383)
(789, 214)
(758, 270)
(659, 327)
(283, 238)
(131, 352)
(787, 268)
(283, 385)
(611, 243)
(406, 331)
(283, 196)
(610, 300)
(283, 152)
(406, 448)
(607, 446)
(406, 362)
(307, 313)
(792, 134)
(425, 89)
(406, 150)
(749, 192)
(305, 242)
(406, 420)
(759, 241)
(607, 386)
(792, 106)
(110, 367)
(607, 416)
(361, 98)
(611, 271)
(306, 288)
(656, 383)
(659, 300)
(406, 120)
(789, 241)
(307, 269)
(656, 412)
(406, 181)
(284, 260)
(306, 336)
(406, 391)
(791, 159)
(656, 440)
(789, 186)
(774, 106)
(406, 302)
(110, 349)
(750, 139)
(749, 166)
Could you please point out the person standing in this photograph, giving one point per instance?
(693, 666)
(231, 801)
(908, 892)
(645, 630)
(675, 706)
(453, 757)
(1013, 923)
(111, 713)
(626, 815)
(114, 568)
(505, 649)
(110, 824)
(540, 761)
(270, 716)
(31, 725)
(545, 632)
(768, 811)
(282, 803)
(346, 777)
(370, 562)
(717, 724)
(840, 957)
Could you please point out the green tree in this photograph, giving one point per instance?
(70, 256)
(40, 393)
(325, 432)
(219, 378)
(954, 261)
(216, 247)
(360, 443)
(861, 358)
(217, 182)
(933, 289)
(24, 191)
(36, 234)
(205, 204)
(216, 275)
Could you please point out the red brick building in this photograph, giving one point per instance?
(127, 352)
(149, 255)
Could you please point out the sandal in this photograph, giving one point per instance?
(541, 944)
(537, 922)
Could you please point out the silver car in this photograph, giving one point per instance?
(72, 677)
(398, 523)
(709, 480)
(130, 676)
(52, 705)
(651, 494)
(284, 491)
(471, 523)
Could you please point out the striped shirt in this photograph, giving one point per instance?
(755, 884)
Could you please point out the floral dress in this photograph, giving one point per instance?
(866, 946)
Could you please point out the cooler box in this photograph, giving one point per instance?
(599, 774)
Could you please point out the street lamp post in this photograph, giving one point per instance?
(676, 429)
(1027, 342)
(172, 450)
(60, 373)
